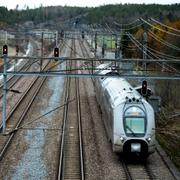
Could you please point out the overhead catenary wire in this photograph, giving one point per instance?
(127, 24)
(140, 48)
(152, 54)
(138, 44)
(109, 29)
(163, 54)
(163, 42)
(41, 116)
(132, 48)
(177, 30)
(162, 30)
(130, 28)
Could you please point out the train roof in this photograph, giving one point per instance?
(118, 88)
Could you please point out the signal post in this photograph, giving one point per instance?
(5, 52)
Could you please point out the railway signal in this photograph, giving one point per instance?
(5, 49)
(17, 49)
(144, 88)
(56, 52)
(82, 34)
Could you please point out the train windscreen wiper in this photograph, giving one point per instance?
(130, 130)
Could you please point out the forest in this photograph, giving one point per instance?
(102, 14)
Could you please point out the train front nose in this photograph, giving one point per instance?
(135, 146)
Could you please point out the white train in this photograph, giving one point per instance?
(128, 117)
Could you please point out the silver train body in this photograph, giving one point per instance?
(128, 117)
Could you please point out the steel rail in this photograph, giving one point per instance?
(21, 117)
(66, 140)
(80, 130)
(24, 112)
(13, 79)
(37, 84)
(65, 112)
(129, 171)
(60, 175)
(126, 170)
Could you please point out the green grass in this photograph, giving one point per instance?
(108, 41)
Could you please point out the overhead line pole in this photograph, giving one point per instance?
(4, 93)
(145, 49)
(42, 46)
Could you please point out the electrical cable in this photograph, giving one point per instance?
(163, 42)
(177, 30)
(130, 28)
(159, 28)
(39, 117)
(128, 24)
(132, 48)
(163, 54)
(135, 41)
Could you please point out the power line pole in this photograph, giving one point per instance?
(95, 49)
(56, 38)
(95, 42)
(103, 47)
(42, 46)
(145, 40)
(5, 52)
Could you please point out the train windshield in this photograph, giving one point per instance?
(135, 125)
(134, 122)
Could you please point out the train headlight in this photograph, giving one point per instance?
(122, 139)
(148, 139)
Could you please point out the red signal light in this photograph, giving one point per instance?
(56, 52)
(5, 50)
(144, 88)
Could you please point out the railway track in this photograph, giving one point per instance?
(132, 171)
(71, 165)
(86, 54)
(19, 111)
(140, 170)
(135, 170)
(14, 79)
(17, 114)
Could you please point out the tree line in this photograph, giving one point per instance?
(103, 14)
